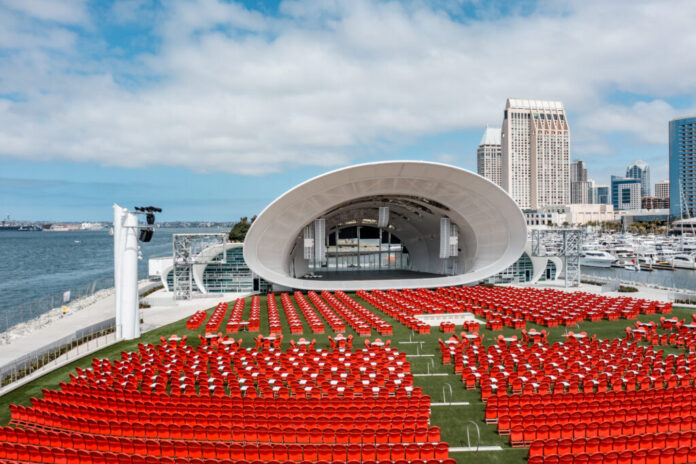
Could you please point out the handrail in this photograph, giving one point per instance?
(429, 363)
(444, 397)
(468, 436)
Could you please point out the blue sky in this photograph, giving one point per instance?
(210, 108)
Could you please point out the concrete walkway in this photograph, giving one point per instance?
(648, 293)
(164, 310)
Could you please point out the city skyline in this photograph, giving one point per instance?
(210, 109)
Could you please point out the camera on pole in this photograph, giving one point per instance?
(149, 212)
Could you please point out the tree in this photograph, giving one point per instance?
(240, 229)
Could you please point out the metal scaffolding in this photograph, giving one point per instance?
(190, 250)
(564, 243)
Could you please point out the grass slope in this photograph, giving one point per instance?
(453, 420)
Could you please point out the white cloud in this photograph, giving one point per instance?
(448, 158)
(239, 91)
(61, 11)
(646, 121)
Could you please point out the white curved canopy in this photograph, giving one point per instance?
(492, 229)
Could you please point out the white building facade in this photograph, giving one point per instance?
(488, 156)
(573, 215)
(662, 189)
(629, 196)
(535, 147)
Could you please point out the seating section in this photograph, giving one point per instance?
(233, 324)
(291, 315)
(579, 364)
(670, 332)
(310, 315)
(216, 318)
(404, 312)
(274, 327)
(335, 322)
(255, 314)
(239, 404)
(547, 307)
(196, 320)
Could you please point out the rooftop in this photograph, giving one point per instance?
(640, 163)
(534, 104)
(491, 136)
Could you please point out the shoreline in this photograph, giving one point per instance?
(22, 329)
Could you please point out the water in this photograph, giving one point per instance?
(682, 279)
(34, 265)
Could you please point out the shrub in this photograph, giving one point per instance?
(627, 289)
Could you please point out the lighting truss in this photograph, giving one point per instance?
(190, 250)
(564, 243)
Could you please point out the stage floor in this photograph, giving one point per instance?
(371, 275)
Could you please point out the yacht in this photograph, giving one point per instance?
(597, 258)
(684, 261)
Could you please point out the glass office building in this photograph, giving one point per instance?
(682, 167)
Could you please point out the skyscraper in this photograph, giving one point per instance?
(580, 188)
(488, 155)
(662, 189)
(602, 195)
(578, 171)
(625, 193)
(535, 146)
(682, 167)
(640, 170)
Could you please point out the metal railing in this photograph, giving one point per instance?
(683, 297)
(30, 311)
(446, 387)
(37, 359)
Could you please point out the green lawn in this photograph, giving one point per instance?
(453, 420)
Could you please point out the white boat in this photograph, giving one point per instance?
(684, 261)
(597, 258)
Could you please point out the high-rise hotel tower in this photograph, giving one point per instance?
(682, 167)
(535, 144)
(488, 155)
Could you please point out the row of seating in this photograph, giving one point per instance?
(538, 402)
(274, 327)
(75, 418)
(382, 301)
(204, 404)
(599, 422)
(682, 455)
(335, 322)
(310, 315)
(646, 409)
(562, 446)
(227, 434)
(291, 315)
(196, 320)
(255, 314)
(352, 318)
(378, 323)
(216, 318)
(233, 324)
(447, 327)
(219, 453)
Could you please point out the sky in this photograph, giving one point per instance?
(210, 109)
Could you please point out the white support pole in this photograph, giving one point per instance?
(129, 279)
(118, 252)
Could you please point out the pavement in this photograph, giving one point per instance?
(649, 293)
(164, 310)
